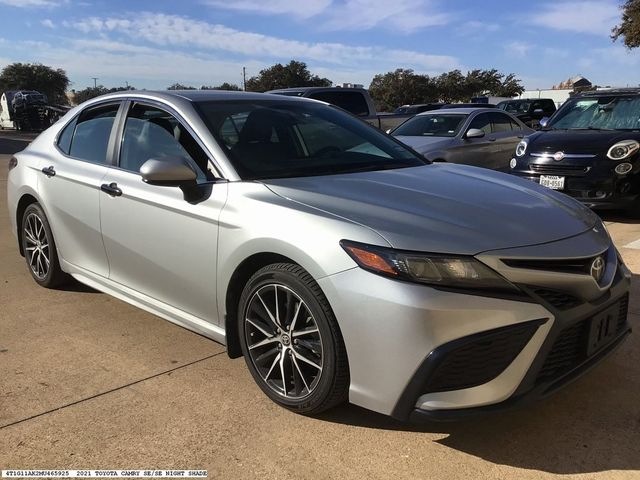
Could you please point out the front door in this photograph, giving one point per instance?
(157, 242)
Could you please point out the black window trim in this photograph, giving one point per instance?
(110, 145)
(119, 138)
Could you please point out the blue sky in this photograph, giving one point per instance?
(152, 44)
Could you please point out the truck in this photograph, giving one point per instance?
(357, 101)
(27, 110)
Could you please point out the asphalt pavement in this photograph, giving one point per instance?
(90, 382)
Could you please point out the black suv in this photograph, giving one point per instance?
(589, 149)
(529, 111)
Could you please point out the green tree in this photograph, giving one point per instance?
(88, 93)
(180, 86)
(452, 86)
(294, 74)
(35, 76)
(402, 87)
(629, 27)
(222, 86)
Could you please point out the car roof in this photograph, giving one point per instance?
(463, 111)
(525, 100)
(314, 89)
(608, 92)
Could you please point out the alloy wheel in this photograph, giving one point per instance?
(37, 246)
(284, 342)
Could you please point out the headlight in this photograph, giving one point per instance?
(451, 271)
(623, 149)
(521, 148)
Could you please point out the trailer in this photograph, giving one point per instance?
(28, 110)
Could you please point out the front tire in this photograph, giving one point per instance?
(39, 248)
(291, 341)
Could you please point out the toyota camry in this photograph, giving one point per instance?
(338, 262)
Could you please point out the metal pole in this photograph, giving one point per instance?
(95, 82)
(244, 79)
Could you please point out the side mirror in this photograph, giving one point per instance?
(474, 133)
(168, 172)
(544, 121)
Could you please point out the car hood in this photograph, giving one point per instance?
(426, 144)
(444, 208)
(577, 141)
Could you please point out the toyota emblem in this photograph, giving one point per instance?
(597, 268)
(558, 156)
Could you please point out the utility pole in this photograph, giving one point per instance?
(95, 82)
(127, 84)
(244, 78)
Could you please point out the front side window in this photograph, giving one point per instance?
(432, 125)
(482, 122)
(606, 112)
(87, 138)
(284, 138)
(151, 132)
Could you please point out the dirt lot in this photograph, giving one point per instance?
(87, 381)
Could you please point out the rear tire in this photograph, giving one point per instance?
(291, 341)
(39, 248)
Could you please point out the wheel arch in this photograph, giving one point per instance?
(25, 200)
(238, 280)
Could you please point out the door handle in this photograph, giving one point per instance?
(491, 139)
(111, 189)
(49, 171)
(520, 136)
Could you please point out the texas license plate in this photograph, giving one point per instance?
(552, 181)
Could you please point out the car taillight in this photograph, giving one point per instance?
(13, 163)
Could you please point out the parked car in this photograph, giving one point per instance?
(589, 149)
(474, 136)
(529, 111)
(417, 108)
(354, 100)
(337, 261)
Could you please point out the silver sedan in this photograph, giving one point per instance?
(339, 263)
(484, 137)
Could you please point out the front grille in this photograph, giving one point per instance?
(558, 169)
(558, 299)
(574, 265)
(570, 348)
(478, 359)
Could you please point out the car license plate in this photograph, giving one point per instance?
(603, 329)
(552, 181)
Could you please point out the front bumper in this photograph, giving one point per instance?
(593, 182)
(395, 333)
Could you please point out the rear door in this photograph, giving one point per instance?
(157, 242)
(70, 186)
(507, 133)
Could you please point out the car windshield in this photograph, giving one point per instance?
(432, 125)
(599, 113)
(283, 138)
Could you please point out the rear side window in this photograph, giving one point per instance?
(501, 122)
(64, 140)
(91, 133)
(353, 102)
